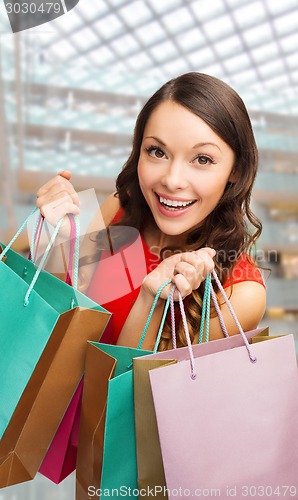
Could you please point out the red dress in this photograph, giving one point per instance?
(117, 280)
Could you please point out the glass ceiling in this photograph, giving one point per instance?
(107, 56)
(133, 47)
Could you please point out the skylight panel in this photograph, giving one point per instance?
(135, 13)
(166, 5)
(163, 51)
(191, 39)
(259, 34)
(63, 50)
(101, 56)
(219, 27)
(272, 68)
(152, 32)
(177, 20)
(265, 52)
(244, 78)
(287, 23)
(292, 61)
(238, 63)
(89, 9)
(279, 81)
(235, 3)
(205, 9)
(229, 46)
(177, 67)
(109, 26)
(117, 3)
(85, 38)
(250, 14)
(201, 58)
(289, 43)
(214, 70)
(125, 45)
(280, 7)
(139, 61)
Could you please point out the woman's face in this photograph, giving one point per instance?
(183, 168)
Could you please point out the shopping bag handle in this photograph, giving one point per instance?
(205, 315)
(167, 303)
(252, 357)
(35, 238)
(46, 253)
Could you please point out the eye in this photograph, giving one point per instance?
(203, 160)
(155, 152)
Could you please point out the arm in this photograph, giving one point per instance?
(187, 270)
(248, 300)
(57, 198)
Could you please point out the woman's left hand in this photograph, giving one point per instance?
(187, 270)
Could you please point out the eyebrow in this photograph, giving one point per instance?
(198, 145)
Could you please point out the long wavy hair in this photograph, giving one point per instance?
(231, 228)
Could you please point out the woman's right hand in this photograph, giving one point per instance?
(57, 198)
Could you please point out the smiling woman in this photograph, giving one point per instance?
(186, 188)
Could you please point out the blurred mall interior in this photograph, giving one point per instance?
(71, 90)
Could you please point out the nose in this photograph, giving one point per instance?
(174, 177)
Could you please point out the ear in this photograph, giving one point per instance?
(233, 176)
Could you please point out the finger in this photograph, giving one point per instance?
(193, 274)
(54, 212)
(182, 285)
(57, 191)
(205, 262)
(58, 180)
(66, 174)
(201, 261)
(208, 250)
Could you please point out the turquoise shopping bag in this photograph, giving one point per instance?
(45, 325)
(107, 445)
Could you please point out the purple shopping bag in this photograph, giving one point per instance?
(228, 424)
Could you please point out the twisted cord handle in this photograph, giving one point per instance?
(190, 350)
(151, 314)
(205, 315)
(8, 246)
(220, 287)
(46, 254)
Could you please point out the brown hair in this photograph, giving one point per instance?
(229, 227)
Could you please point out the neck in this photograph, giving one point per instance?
(155, 238)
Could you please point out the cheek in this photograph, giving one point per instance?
(145, 174)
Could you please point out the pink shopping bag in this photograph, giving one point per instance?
(227, 425)
(60, 460)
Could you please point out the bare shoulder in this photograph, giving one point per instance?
(248, 300)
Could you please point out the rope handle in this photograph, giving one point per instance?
(252, 357)
(46, 253)
(151, 314)
(205, 316)
(35, 239)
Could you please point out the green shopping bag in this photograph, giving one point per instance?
(106, 458)
(45, 325)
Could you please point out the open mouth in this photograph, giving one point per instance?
(174, 205)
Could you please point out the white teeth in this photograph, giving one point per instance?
(174, 203)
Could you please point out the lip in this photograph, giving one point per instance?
(171, 213)
(167, 197)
